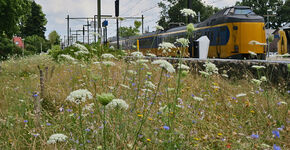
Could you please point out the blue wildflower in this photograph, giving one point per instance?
(48, 124)
(166, 127)
(35, 95)
(89, 141)
(255, 136)
(275, 147)
(88, 130)
(276, 133)
(69, 110)
(193, 121)
(192, 95)
(25, 121)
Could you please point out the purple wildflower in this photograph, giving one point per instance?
(275, 147)
(69, 110)
(25, 121)
(255, 136)
(88, 130)
(276, 133)
(48, 124)
(166, 127)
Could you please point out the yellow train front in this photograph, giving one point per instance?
(233, 32)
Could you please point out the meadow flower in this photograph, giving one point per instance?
(204, 73)
(146, 90)
(132, 72)
(165, 65)
(108, 56)
(183, 67)
(275, 147)
(264, 79)
(80, 47)
(142, 61)
(137, 54)
(225, 75)
(280, 103)
(198, 98)
(79, 96)
(159, 27)
(210, 68)
(257, 82)
(117, 104)
(81, 52)
(56, 138)
(89, 107)
(258, 67)
(67, 57)
(151, 55)
(166, 47)
(166, 127)
(276, 134)
(255, 136)
(241, 95)
(188, 12)
(252, 53)
(190, 28)
(105, 98)
(149, 84)
(184, 42)
(108, 63)
(125, 86)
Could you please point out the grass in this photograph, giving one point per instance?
(221, 121)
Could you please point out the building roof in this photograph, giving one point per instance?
(287, 26)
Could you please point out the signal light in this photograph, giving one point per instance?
(117, 8)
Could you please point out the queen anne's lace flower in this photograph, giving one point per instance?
(210, 68)
(56, 138)
(151, 55)
(117, 104)
(108, 63)
(257, 82)
(188, 12)
(198, 98)
(190, 28)
(183, 67)
(105, 98)
(258, 67)
(241, 95)
(67, 57)
(149, 84)
(165, 65)
(80, 47)
(264, 79)
(159, 27)
(79, 96)
(184, 42)
(132, 72)
(166, 47)
(108, 56)
(137, 54)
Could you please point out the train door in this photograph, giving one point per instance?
(218, 43)
(288, 40)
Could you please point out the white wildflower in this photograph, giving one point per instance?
(117, 104)
(184, 42)
(132, 72)
(81, 52)
(146, 90)
(108, 63)
(258, 67)
(170, 89)
(112, 47)
(67, 57)
(188, 12)
(149, 84)
(183, 67)
(204, 73)
(225, 75)
(108, 56)
(282, 102)
(252, 53)
(159, 27)
(80, 47)
(166, 47)
(264, 79)
(56, 138)
(198, 98)
(142, 61)
(137, 54)
(79, 96)
(151, 55)
(125, 86)
(241, 95)
(253, 42)
(210, 68)
(257, 82)
(163, 109)
(89, 107)
(165, 65)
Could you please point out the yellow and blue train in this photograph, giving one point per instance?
(230, 32)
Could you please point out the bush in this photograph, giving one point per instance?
(34, 44)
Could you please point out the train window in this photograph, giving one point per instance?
(244, 12)
(227, 11)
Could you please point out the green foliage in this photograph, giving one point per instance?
(8, 48)
(283, 13)
(170, 12)
(10, 13)
(54, 38)
(35, 44)
(130, 31)
(35, 23)
(260, 7)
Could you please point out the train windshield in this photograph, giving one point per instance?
(243, 12)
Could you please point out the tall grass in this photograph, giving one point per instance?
(222, 120)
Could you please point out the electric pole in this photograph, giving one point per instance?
(67, 30)
(117, 15)
(99, 20)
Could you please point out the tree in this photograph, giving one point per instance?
(54, 38)
(7, 47)
(35, 23)
(283, 13)
(35, 44)
(10, 14)
(260, 7)
(170, 11)
(130, 31)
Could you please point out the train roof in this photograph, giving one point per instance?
(287, 26)
(226, 16)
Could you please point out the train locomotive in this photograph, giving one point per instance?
(230, 32)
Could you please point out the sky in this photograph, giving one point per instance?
(57, 10)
